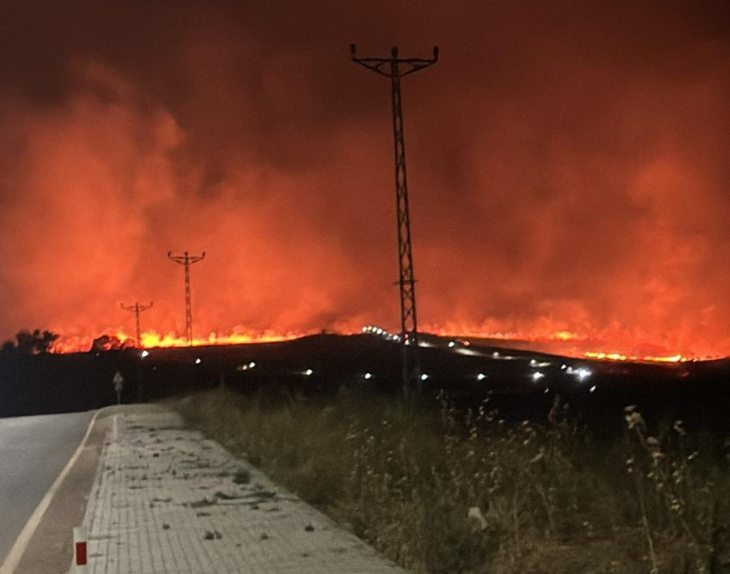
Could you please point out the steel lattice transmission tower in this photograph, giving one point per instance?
(395, 68)
(187, 260)
(136, 309)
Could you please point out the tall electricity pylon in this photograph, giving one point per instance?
(395, 68)
(187, 261)
(136, 309)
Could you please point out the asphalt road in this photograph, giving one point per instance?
(33, 452)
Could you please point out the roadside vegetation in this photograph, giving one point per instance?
(443, 491)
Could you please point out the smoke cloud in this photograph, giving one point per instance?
(567, 168)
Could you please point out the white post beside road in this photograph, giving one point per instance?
(80, 550)
(118, 381)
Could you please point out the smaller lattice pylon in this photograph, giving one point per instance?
(137, 309)
(186, 260)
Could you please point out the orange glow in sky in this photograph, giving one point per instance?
(567, 171)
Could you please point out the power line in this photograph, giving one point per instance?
(395, 68)
(187, 260)
(136, 309)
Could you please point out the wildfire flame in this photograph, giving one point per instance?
(603, 346)
(578, 209)
(153, 339)
(537, 342)
(601, 356)
(562, 342)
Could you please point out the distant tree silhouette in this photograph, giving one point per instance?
(107, 343)
(34, 342)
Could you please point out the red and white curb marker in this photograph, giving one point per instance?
(80, 550)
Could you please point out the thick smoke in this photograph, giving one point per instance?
(567, 168)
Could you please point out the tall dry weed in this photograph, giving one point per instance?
(443, 491)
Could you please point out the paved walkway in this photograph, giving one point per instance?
(165, 499)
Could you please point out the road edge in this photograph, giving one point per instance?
(16, 553)
(13, 558)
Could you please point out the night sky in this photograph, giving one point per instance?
(567, 164)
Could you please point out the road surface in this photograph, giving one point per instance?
(33, 452)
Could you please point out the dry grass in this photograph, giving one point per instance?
(446, 492)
